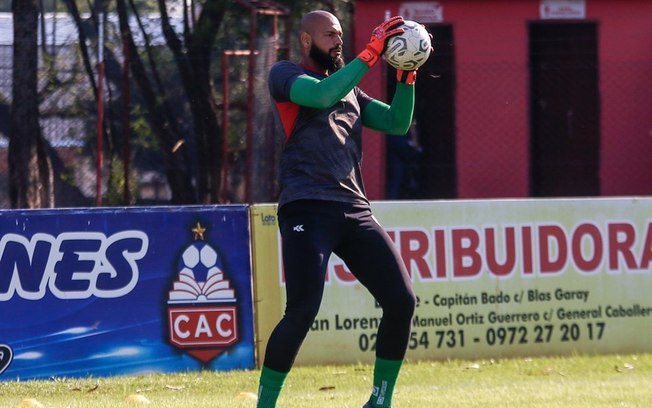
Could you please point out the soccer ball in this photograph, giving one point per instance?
(409, 50)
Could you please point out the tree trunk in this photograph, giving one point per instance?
(30, 169)
(201, 56)
(173, 147)
(194, 68)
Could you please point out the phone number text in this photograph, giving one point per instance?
(496, 336)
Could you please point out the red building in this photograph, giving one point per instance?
(525, 98)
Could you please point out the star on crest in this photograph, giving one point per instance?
(199, 232)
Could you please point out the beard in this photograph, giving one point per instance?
(325, 60)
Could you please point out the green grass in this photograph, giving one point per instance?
(580, 381)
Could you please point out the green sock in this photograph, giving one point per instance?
(385, 376)
(271, 382)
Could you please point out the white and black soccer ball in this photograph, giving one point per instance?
(409, 50)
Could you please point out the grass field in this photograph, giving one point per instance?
(580, 381)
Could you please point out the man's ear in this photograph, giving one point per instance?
(305, 40)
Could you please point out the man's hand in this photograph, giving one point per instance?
(378, 41)
(407, 77)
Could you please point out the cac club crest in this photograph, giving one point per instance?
(202, 312)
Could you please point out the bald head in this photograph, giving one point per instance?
(315, 19)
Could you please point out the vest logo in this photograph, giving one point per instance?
(202, 307)
(6, 356)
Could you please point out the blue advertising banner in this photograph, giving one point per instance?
(124, 291)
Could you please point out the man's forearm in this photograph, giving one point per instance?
(394, 119)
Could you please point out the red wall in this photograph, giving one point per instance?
(492, 105)
(625, 55)
(491, 96)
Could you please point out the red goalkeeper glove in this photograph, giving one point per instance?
(407, 77)
(378, 41)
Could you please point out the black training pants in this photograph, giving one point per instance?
(311, 230)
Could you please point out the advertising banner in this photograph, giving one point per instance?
(124, 291)
(494, 278)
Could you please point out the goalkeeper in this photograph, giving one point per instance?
(323, 208)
